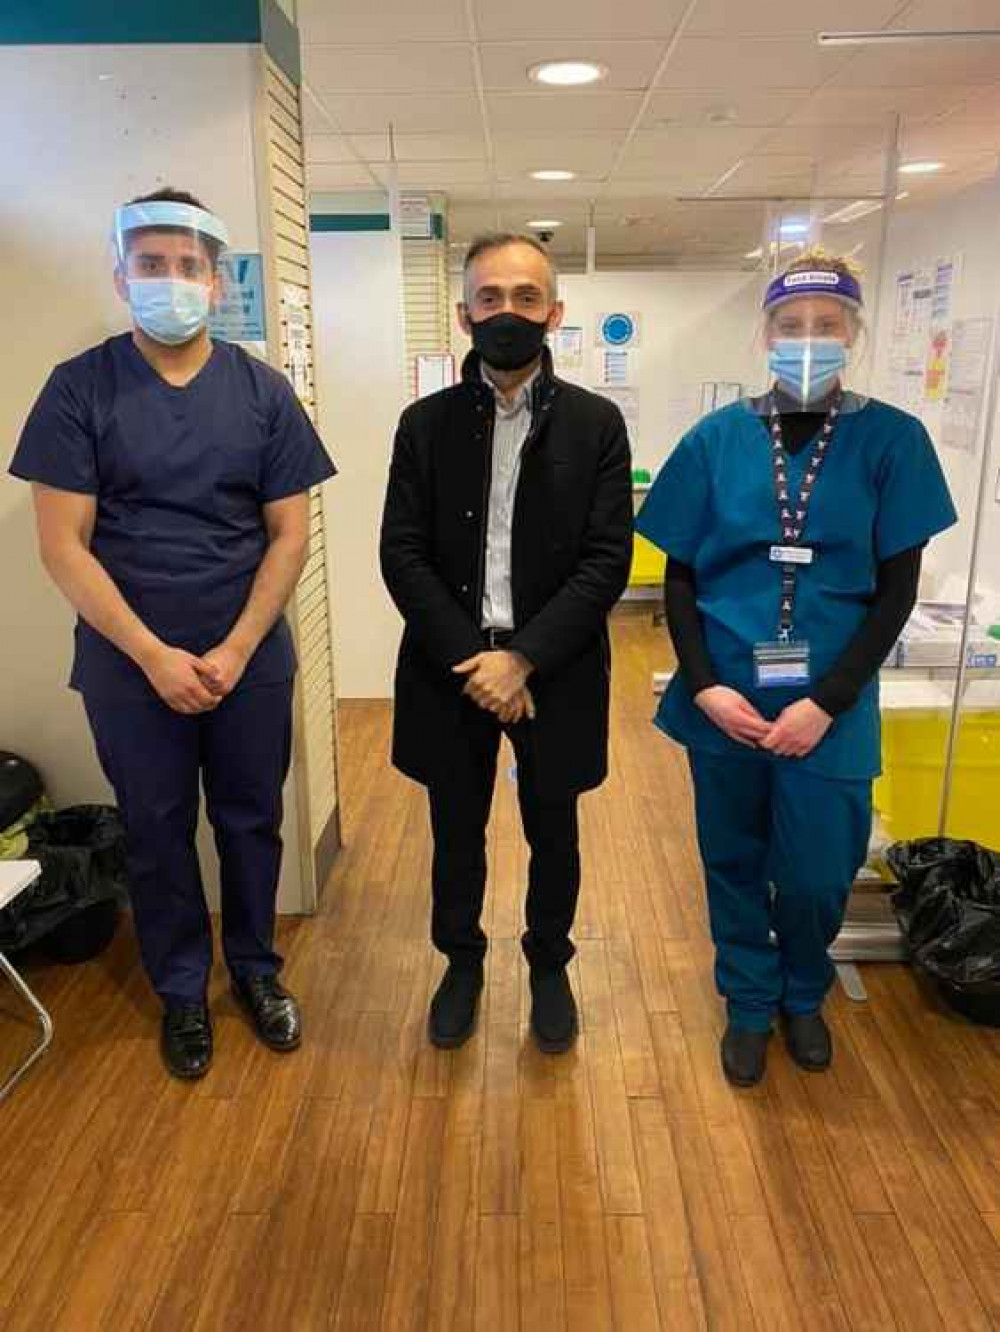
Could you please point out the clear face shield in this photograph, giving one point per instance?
(166, 259)
(812, 322)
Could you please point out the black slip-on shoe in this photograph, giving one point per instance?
(186, 1040)
(809, 1041)
(454, 1008)
(744, 1055)
(272, 1010)
(555, 1023)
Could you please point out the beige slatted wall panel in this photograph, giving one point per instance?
(311, 613)
(425, 293)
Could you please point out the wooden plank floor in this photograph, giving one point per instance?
(370, 1182)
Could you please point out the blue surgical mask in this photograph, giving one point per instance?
(168, 309)
(807, 368)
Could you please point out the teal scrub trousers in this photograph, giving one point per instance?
(781, 848)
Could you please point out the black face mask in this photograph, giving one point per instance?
(508, 341)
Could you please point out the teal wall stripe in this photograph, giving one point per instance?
(350, 222)
(364, 222)
(151, 22)
(112, 22)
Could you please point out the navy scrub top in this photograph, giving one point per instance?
(713, 507)
(180, 476)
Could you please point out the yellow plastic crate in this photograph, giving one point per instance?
(648, 564)
(908, 795)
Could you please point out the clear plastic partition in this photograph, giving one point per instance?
(933, 353)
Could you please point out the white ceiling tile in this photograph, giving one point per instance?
(426, 68)
(950, 140)
(441, 175)
(588, 154)
(788, 17)
(339, 177)
(630, 64)
(980, 107)
(927, 15)
(838, 105)
(566, 22)
(923, 65)
(357, 113)
(769, 62)
(381, 20)
(710, 148)
(743, 107)
(821, 143)
(562, 112)
(409, 147)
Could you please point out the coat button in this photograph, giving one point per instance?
(465, 587)
(469, 513)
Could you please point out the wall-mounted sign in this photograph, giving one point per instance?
(416, 217)
(239, 316)
(618, 329)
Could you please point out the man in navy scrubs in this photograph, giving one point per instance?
(170, 478)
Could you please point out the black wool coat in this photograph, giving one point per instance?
(571, 551)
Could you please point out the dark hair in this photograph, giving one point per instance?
(169, 195)
(500, 240)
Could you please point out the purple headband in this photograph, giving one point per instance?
(818, 282)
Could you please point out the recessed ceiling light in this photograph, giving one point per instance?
(919, 168)
(553, 175)
(567, 73)
(755, 254)
(794, 228)
(903, 194)
(545, 224)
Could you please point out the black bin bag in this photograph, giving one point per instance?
(72, 910)
(948, 906)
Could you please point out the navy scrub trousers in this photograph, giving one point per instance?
(781, 849)
(156, 760)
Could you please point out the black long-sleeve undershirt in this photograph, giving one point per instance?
(896, 584)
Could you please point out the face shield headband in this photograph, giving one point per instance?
(818, 282)
(162, 213)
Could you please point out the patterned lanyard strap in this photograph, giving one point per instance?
(793, 511)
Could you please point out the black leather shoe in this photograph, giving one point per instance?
(554, 1021)
(744, 1055)
(273, 1011)
(809, 1042)
(452, 1018)
(186, 1040)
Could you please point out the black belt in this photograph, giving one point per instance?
(498, 638)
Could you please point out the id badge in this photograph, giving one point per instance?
(780, 665)
(792, 555)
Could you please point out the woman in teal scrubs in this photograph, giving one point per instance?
(794, 526)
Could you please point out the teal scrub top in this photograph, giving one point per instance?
(713, 507)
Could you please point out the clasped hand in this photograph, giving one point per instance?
(191, 684)
(795, 733)
(497, 682)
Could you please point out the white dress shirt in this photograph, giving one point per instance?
(511, 428)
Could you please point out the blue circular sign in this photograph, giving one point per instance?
(618, 330)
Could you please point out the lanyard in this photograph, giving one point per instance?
(794, 513)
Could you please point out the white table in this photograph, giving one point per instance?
(15, 877)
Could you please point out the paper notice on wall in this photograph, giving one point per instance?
(939, 333)
(295, 318)
(617, 368)
(960, 420)
(567, 348)
(627, 400)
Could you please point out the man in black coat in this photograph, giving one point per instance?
(506, 540)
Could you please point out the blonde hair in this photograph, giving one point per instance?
(817, 259)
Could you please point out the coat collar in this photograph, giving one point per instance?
(544, 389)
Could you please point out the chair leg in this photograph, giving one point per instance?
(44, 1022)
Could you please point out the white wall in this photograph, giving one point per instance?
(358, 310)
(85, 128)
(696, 326)
(968, 226)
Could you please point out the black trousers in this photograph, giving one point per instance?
(460, 801)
